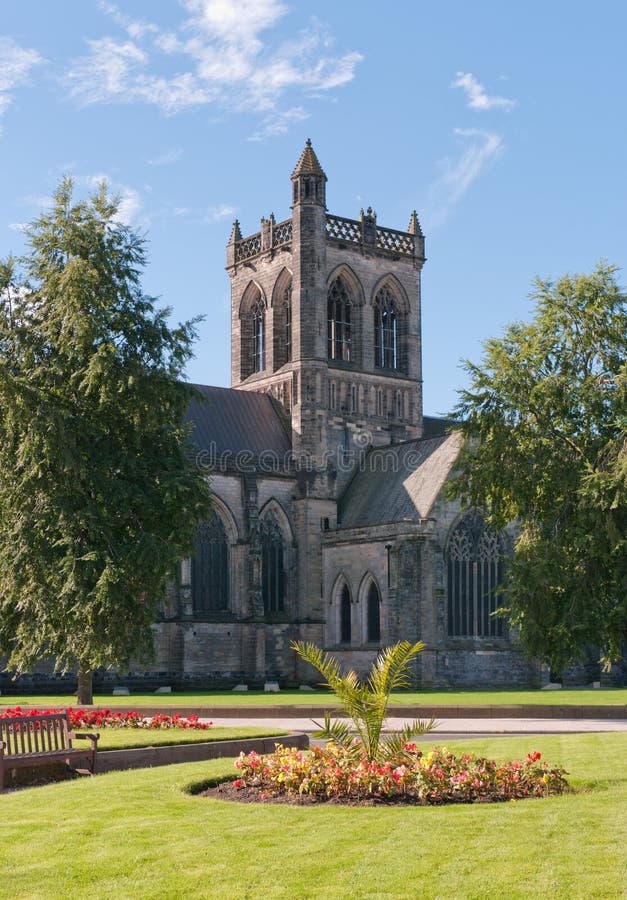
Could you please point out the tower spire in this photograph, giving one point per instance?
(308, 179)
(308, 163)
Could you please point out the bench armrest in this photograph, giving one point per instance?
(94, 738)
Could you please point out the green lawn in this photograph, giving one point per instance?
(567, 697)
(140, 835)
(126, 738)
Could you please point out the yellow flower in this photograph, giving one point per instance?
(545, 778)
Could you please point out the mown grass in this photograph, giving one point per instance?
(140, 835)
(565, 697)
(127, 738)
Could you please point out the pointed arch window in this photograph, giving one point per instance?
(386, 330)
(287, 314)
(475, 568)
(339, 321)
(210, 567)
(257, 314)
(373, 612)
(345, 616)
(272, 565)
(252, 332)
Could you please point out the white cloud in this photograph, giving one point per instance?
(225, 54)
(218, 213)
(480, 149)
(15, 65)
(166, 158)
(279, 123)
(130, 205)
(476, 95)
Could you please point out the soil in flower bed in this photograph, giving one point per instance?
(226, 791)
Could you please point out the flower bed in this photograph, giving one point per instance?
(107, 718)
(336, 773)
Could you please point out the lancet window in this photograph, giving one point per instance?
(475, 569)
(210, 567)
(272, 565)
(345, 616)
(340, 325)
(373, 613)
(257, 314)
(386, 330)
(287, 313)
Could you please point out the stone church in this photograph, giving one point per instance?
(329, 520)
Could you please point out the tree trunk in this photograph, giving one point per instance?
(85, 687)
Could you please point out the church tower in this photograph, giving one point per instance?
(325, 316)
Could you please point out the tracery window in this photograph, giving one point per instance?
(373, 630)
(345, 616)
(476, 566)
(386, 330)
(339, 318)
(210, 567)
(272, 565)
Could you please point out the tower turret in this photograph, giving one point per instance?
(308, 179)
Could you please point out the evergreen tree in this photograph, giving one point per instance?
(545, 416)
(99, 497)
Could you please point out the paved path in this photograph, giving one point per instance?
(451, 728)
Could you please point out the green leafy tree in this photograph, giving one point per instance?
(366, 702)
(98, 496)
(545, 417)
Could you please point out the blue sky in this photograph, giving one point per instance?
(503, 124)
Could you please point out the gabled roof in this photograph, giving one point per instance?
(399, 483)
(308, 163)
(230, 421)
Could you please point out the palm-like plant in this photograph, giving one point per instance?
(366, 702)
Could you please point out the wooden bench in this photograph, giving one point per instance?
(29, 741)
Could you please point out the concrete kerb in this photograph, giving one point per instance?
(147, 757)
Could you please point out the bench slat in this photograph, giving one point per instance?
(40, 739)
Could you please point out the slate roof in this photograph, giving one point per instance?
(435, 426)
(399, 483)
(308, 163)
(237, 421)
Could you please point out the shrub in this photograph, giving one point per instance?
(366, 702)
(436, 777)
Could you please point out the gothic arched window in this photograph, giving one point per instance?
(373, 614)
(210, 567)
(252, 332)
(476, 566)
(339, 322)
(345, 616)
(257, 314)
(272, 565)
(287, 313)
(386, 330)
(282, 321)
